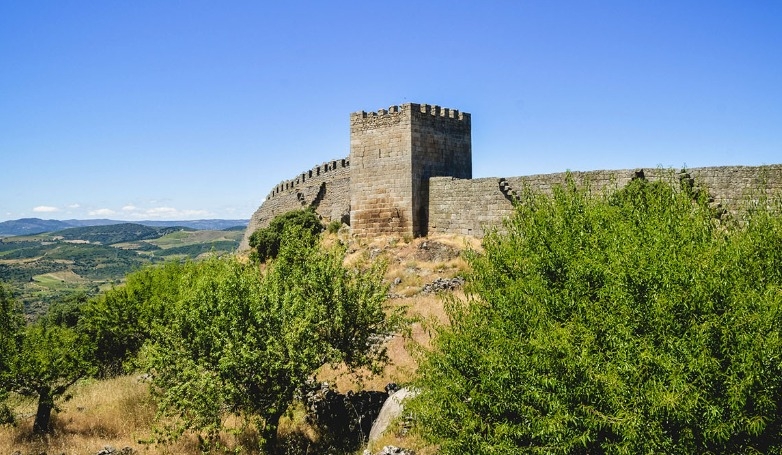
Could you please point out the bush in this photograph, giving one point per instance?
(631, 323)
(334, 226)
(244, 342)
(265, 242)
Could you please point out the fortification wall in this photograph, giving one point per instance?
(471, 207)
(325, 188)
(393, 153)
(410, 169)
(441, 145)
(381, 172)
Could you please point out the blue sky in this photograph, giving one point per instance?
(195, 109)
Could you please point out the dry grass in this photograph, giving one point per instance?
(116, 412)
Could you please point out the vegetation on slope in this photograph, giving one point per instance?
(629, 323)
(46, 268)
(219, 337)
(624, 323)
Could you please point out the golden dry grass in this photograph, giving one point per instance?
(116, 412)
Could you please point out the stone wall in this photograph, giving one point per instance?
(441, 145)
(325, 188)
(409, 173)
(470, 207)
(393, 153)
(381, 172)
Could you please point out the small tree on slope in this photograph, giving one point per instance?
(243, 342)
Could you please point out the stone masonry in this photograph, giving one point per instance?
(393, 153)
(410, 173)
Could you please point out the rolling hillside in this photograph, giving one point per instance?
(43, 268)
(30, 226)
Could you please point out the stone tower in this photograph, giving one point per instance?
(393, 153)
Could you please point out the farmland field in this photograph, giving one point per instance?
(44, 268)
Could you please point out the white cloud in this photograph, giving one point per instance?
(74, 206)
(131, 211)
(45, 209)
(101, 212)
(173, 214)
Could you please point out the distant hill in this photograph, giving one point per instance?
(29, 226)
(117, 233)
(47, 267)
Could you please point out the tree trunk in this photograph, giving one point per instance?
(269, 433)
(43, 416)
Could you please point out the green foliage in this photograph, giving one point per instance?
(220, 246)
(244, 342)
(265, 242)
(48, 359)
(334, 226)
(122, 319)
(631, 323)
(11, 323)
(95, 265)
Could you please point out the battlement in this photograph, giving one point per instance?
(411, 109)
(410, 173)
(321, 171)
(394, 152)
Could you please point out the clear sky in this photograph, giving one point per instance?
(195, 109)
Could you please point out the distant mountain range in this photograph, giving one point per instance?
(29, 226)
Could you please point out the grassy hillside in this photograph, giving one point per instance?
(44, 268)
(120, 411)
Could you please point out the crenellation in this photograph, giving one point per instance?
(410, 172)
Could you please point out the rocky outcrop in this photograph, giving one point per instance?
(344, 420)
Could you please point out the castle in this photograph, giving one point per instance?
(409, 173)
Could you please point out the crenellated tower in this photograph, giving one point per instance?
(393, 153)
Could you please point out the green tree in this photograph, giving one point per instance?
(121, 320)
(41, 360)
(50, 359)
(11, 323)
(244, 342)
(265, 242)
(629, 323)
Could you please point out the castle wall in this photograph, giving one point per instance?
(393, 153)
(441, 145)
(381, 172)
(471, 207)
(325, 188)
(409, 173)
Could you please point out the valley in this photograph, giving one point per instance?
(52, 266)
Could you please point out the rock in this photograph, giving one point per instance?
(443, 284)
(391, 450)
(392, 409)
(431, 251)
(344, 419)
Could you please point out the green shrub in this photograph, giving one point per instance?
(265, 242)
(244, 342)
(630, 323)
(334, 226)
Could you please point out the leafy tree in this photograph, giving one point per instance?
(50, 359)
(244, 342)
(629, 323)
(123, 318)
(11, 323)
(265, 242)
(44, 359)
